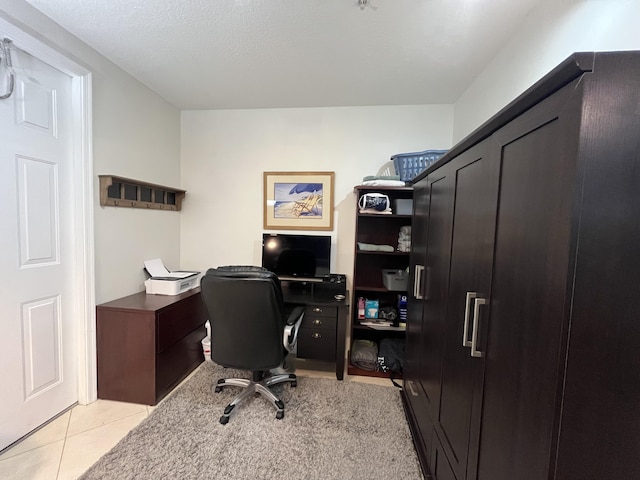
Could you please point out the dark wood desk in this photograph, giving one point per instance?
(147, 344)
(322, 335)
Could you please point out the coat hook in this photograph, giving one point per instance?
(5, 59)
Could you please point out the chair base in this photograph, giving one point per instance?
(258, 384)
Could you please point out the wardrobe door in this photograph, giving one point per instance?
(435, 283)
(475, 173)
(529, 310)
(413, 391)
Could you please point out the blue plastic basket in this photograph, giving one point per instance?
(409, 165)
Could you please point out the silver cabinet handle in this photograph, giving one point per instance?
(476, 320)
(410, 386)
(467, 311)
(417, 280)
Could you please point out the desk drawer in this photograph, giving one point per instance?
(178, 320)
(317, 343)
(321, 311)
(315, 321)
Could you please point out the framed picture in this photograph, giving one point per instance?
(298, 200)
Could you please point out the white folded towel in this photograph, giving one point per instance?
(404, 245)
(375, 212)
(374, 248)
(386, 183)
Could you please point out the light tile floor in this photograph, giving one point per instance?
(67, 446)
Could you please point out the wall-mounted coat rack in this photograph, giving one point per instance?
(125, 192)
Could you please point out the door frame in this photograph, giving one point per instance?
(81, 94)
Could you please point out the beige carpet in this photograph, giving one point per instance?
(331, 430)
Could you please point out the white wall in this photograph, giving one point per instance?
(553, 30)
(136, 134)
(225, 152)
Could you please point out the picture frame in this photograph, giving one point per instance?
(298, 200)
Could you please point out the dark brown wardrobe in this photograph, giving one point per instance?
(523, 336)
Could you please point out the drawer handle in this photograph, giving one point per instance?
(316, 335)
(474, 334)
(417, 282)
(317, 309)
(467, 314)
(410, 385)
(317, 322)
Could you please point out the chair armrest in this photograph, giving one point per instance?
(296, 314)
(290, 336)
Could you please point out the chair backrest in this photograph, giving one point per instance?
(246, 313)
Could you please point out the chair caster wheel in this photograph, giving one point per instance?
(217, 389)
(224, 420)
(280, 415)
(294, 384)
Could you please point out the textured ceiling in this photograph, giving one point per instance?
(213, 54)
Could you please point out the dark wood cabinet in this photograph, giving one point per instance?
(147, 344)
(317, 336)
(523, 305)
(369, 264)
(323, 331)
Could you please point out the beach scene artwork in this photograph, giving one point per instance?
(296, 200)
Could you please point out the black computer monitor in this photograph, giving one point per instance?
(296, 256)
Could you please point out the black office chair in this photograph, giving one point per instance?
(249, 329)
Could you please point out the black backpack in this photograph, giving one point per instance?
(391, 355)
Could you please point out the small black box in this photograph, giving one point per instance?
(332, 284)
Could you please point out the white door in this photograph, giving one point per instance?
(38, 305)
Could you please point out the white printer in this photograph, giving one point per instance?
(164, 282)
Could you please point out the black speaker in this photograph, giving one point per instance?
(336, 278)
(332, 284)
